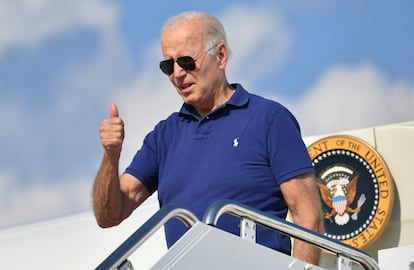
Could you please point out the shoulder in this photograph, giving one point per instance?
(258, 102)
(270, 108)
(266, 103)
(271, 111)
(170, 121)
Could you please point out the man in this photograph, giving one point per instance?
(224, 143)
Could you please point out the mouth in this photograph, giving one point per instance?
(185, 88)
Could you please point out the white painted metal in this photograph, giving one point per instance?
(205, 247)
(248, 229)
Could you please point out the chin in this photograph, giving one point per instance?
(188, 100)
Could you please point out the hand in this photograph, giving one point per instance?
(111, 132)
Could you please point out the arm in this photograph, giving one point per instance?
(114, 197)
(302, 198)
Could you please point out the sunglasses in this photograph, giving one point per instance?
(186, 62)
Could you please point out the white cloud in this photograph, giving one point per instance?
(259, 40)
(28, 22)
(48, 143)
(348, 98)
(35, 201)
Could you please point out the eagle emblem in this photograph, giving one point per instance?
(338, 189)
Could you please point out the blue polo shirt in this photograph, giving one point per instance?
(241, 151)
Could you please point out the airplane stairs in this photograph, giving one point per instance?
(204, 246)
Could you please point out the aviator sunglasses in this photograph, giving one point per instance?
(186, 62)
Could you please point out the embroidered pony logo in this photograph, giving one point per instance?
(236, 142)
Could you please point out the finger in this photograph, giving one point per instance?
(113, 111)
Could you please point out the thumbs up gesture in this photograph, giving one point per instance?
(111, 132)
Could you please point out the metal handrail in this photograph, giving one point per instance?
(218, 208)
(121, 254)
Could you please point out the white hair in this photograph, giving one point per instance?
(212, 28)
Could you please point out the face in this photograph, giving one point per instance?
(198, 87)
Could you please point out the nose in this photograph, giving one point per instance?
(178, 71)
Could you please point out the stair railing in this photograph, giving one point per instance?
(118, 259)
(221, 207)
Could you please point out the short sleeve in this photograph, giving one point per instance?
(144, 165)
(287, 151)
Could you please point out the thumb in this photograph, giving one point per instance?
(113, 111)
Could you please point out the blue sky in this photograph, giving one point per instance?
(337, 66)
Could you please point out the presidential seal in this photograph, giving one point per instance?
(356, 189)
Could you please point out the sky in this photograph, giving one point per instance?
(336, 65)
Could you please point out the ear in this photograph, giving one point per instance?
(222, 55)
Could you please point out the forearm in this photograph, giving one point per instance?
(305, 251)
(107, 195)
(302, 197)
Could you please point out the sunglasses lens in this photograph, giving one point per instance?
(167, 66)
(186, 62)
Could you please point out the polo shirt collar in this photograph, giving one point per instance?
(238, 99)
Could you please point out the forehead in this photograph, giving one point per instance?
(185, 38)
